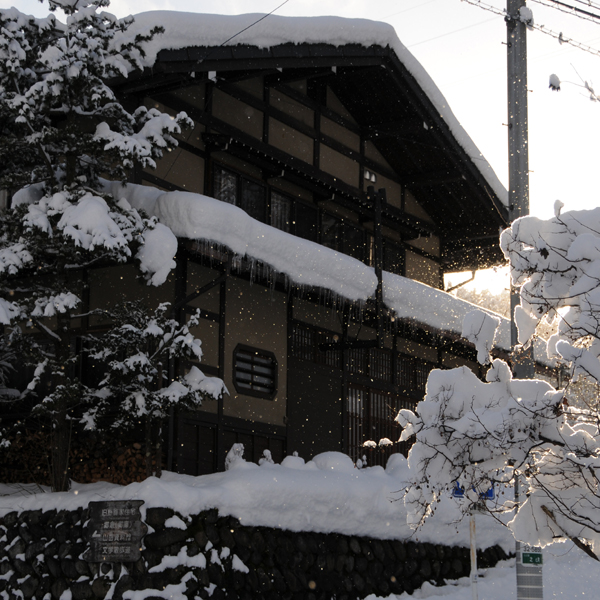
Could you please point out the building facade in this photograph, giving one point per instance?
(342, 146)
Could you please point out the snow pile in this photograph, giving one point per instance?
(157, 255)
(184, 30)
(326, 494)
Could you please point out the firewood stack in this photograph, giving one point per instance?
(27, 458)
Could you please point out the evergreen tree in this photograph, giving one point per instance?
(61, 127)
(137, 389)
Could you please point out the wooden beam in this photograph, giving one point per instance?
(283, 77)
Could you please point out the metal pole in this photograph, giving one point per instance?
(518, 149)
(474, 576)
(518, 152)
(529, 576)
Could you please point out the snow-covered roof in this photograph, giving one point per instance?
(184, 30)
(303, 262)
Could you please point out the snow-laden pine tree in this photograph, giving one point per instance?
(479, 433)
(61, 128)
(137, 391)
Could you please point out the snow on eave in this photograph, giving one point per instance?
(183, 30)
(304, 263)
(418, 302)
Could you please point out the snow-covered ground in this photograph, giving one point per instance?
(329, 494)
(567, 573)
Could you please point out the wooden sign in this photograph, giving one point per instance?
(115, 531)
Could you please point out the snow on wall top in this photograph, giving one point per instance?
(326, 494)
(184, 30)
(199, 217)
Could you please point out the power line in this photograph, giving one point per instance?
(437, 37)
(486, 6)
(588, 3)
(409, 9)
(569, 10)
(542, 28)
(255, 22)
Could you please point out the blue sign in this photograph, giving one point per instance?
(459, 492)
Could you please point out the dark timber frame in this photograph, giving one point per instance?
(422, 150)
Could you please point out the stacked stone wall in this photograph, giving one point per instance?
(206, 556)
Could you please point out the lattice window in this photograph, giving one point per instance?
(315, 345)
(371, 415)
(422, 370)
(380, 364)
(357, 361)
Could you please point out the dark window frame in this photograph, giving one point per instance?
(306, 220)
(342, 240)
(250, 389)
(237, 193)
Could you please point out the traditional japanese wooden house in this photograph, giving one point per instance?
(328, 134)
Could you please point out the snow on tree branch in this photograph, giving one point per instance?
(61, 127)
(477, 434)
(480, 328)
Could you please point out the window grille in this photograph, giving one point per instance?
(281, 212)
(343, 236)
(422, 370)
(357, 361)
(393, 258)
(254, 372)
(380, 364)
(240, 191)
(412, 373)
(308, 343)
(371, 416)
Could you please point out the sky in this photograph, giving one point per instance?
(463, 47)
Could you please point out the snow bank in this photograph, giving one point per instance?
(202, 30)
(324, 495)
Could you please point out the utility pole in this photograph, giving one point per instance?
(529, 559)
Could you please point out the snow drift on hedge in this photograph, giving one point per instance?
(327, 494)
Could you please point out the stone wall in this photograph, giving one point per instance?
(210, 556)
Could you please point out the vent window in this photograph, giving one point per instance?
(254, 372)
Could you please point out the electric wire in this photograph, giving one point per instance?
(569, 10)
(255, 22)
(588, 3)
(437, 37)
(541, 28)
(409, 9)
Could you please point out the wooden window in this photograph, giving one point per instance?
(371, 416)
(380, 364)
(393, 258)
(235, 189)
(412, 374)
(253, 199)
(281, 212)
(254, 372)
(306, 220)
(343, 236)
(309, 343)
(225, 185)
